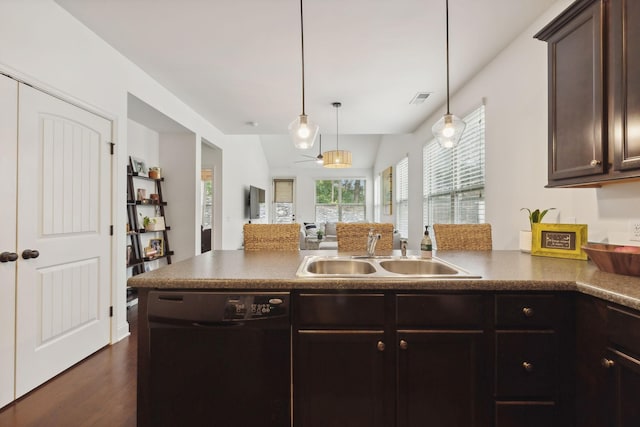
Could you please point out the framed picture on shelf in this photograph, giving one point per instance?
(129, 254)
(138, 166)
(559, 240)
(157, 245)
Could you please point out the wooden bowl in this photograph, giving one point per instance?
(616, 259)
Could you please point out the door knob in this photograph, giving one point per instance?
(404, 345)
(8, 256)
(30, 253)
(381, 346)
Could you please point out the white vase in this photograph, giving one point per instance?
(525, 241)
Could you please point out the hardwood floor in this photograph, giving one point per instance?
(99, 391)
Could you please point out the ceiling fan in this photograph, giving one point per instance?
(317, 159)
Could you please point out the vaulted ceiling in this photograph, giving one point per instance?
(238, 62)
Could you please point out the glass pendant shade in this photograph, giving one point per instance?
(448, 130)
(337, 159)
(303, 132)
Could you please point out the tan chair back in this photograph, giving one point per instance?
(271, 237)
(352, 237)
(467, 237)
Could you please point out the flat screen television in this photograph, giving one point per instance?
(257, 205)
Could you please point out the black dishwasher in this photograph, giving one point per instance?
(219, 359)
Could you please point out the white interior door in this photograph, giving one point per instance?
(64, 205)
(8, 152)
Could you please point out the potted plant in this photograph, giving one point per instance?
(535, 216)
(319, 235)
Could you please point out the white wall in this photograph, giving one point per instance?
(514, 89)
(42, 44)
(305, 187)
(244, 164)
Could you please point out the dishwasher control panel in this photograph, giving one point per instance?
(245, 307)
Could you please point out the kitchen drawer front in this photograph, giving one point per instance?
(528, 311)
(340, 310)
(526, 414)
(459, 311)
(623, 329)
(526, 364)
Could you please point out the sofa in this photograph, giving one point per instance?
(330, 236)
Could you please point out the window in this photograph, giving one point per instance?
(341, 200)
(206, 197)
(453, 180)
(402, 197)
(283, 201)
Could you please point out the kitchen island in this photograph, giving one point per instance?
(474, 326)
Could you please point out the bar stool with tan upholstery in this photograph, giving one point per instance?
(352, 237)
(467, 237)
(271, 237)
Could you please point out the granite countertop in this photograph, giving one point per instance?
(498, 271)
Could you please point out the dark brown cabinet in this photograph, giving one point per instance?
(443, 360)
(533, 360)
(391, 360)
(341, 359)
(608, 365)
(594, 101)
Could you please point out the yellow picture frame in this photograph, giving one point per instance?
(559, 240)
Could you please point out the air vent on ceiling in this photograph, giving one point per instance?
(420, 97)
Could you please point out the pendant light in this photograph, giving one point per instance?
(449, 128)
(302, 130)
(337, 158)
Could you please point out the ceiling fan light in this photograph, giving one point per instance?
(448, 130)
(303, 132)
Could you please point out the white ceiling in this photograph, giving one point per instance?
(239, 61)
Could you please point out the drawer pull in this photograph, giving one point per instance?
(527, 366)
(381, 346)
(528, 312)
(404, 345)
(595, 163)
(608, 363)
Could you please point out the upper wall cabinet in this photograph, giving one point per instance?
(594, 93)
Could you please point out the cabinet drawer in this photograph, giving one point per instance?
(527, 311)
(526, 364)
(340, 310)
(623, 329)
(467, 311)
(530, 414)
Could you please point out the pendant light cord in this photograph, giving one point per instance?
(302, 46)
(447, 41)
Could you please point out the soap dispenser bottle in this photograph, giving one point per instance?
(426, 246)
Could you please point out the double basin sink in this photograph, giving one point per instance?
(380, 267)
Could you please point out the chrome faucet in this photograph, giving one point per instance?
(403, 247)
(372, 239)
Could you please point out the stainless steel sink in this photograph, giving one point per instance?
(340, 266)
(417, 267)
(379, 267)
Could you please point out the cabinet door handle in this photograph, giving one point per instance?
(8, 256)
(528, 312)
(527, 366)
(404, 345)
(381, 346)
(30, 253)
(608, 363)
(595, 163)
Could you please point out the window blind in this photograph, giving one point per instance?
(453, 179)
(283, 201)
(283, 190)
(402, 197)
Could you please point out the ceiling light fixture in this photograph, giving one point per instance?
(302, 130)
(449, 128)
(337, 158)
